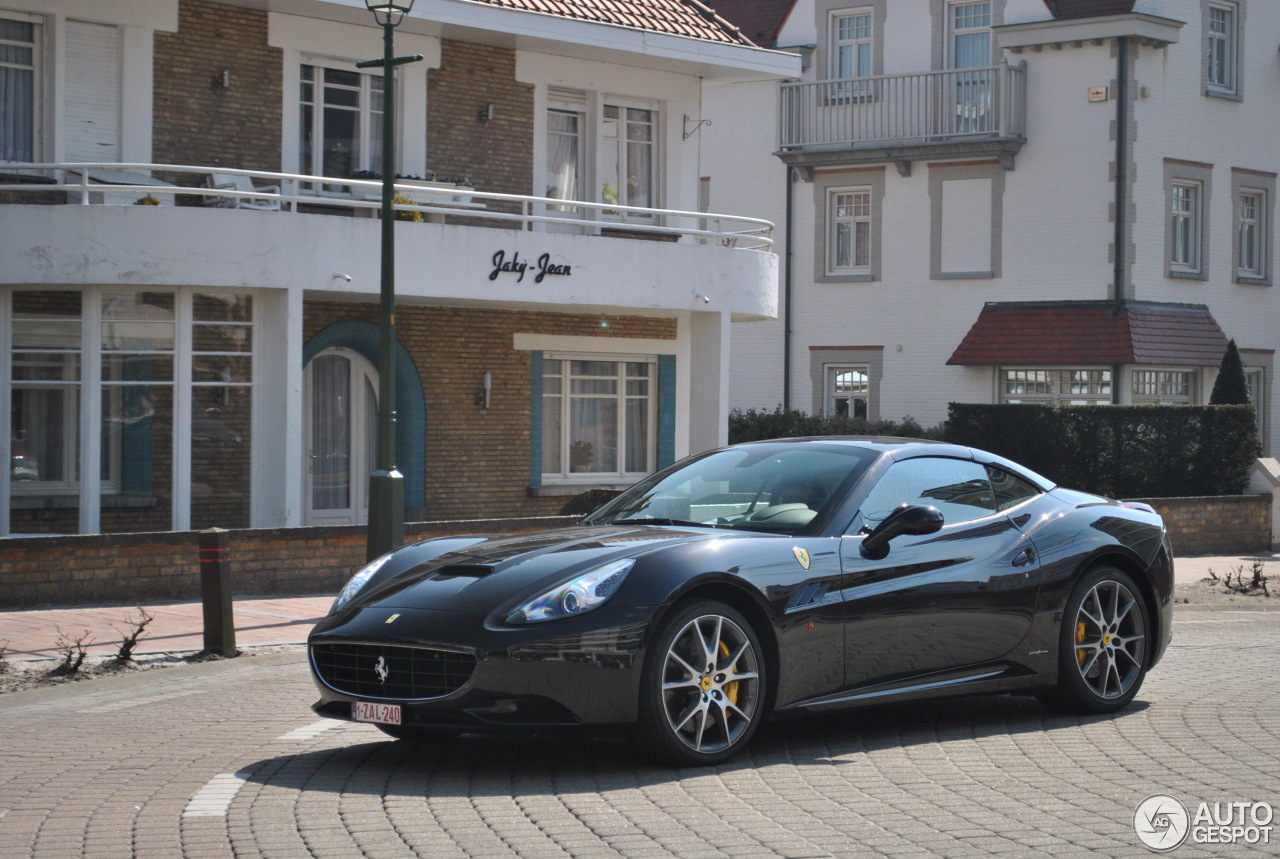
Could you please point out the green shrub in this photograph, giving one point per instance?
(1119, 451)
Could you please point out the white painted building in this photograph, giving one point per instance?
(952, 179)
(211, 360)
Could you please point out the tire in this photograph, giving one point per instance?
(1104, 649)
(413, 734)
(703, 686)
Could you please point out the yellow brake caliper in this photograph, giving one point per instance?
(730, 691)
(1081, 654)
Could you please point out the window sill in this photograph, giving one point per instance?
(847, 278)
(71, 500)
(1253, 281)
(964, 275)
(1188, 275)
(564, 490)
(1223, 94)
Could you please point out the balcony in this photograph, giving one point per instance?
(174, 225)
(966, 113)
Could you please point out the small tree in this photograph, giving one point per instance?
(1230, 388)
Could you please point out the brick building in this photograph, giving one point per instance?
(564, 301)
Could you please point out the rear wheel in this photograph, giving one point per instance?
(703, 685)
(1104, 647)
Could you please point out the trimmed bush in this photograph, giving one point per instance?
(752, 425)
(1119, 451)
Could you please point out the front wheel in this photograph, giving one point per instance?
(1104, 647)
(703, 685)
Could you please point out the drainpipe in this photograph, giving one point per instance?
(1120, 262)
(786, 297)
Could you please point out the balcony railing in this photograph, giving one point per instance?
(930, 107)
(126, 184)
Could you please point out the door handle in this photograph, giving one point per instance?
(1026, 556)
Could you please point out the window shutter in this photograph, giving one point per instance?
(93, 93)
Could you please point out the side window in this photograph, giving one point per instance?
(1010, 489)
(959, 488)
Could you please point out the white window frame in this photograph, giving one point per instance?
(954, 32)
(857, 212)
(852, 31)
(1255, 380)
(370, 120)
(619, 143)
(1165, 386)
(1186, 225)
(563, 401)
(1222, 46)
(1251, 229)
(832, 393)
(37, 69)
(569, 103)
(1067, 386)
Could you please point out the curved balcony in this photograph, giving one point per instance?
(439, 202)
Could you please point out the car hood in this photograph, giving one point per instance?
(497, 573)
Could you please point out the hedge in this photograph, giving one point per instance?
(1119, 451)
(752, 425)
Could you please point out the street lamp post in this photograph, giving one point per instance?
(386, 484)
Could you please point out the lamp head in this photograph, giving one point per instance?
(389, 11)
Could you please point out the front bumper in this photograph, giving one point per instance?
(576, 671)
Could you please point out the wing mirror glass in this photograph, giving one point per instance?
(915, 519)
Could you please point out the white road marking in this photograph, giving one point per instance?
(138, 702)
(310, 731)
(215, 797)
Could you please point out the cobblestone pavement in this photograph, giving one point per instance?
(224, 759)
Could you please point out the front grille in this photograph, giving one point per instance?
(409, 673)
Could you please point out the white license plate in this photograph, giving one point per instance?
(380, 714)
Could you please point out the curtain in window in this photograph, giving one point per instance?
(563, 130)
(17, 91)
(331, 433)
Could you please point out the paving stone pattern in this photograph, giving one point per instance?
(225, 760)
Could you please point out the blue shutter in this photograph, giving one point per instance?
(666, 410)
(535, 419)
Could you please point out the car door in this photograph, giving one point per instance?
(961, 596)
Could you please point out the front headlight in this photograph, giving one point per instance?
(357, 583)
(576, 596)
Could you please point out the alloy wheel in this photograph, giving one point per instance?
(710, 684)
(1110, 639)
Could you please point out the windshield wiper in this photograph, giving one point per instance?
(660, 520)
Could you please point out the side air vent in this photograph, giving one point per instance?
(810, 594)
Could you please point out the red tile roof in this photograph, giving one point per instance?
(690, 18)
(759, 20)
(1092, 332)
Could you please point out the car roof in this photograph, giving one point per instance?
(908, 448)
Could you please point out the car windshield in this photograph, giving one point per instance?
(768, 487)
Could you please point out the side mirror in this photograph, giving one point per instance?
(907, 519)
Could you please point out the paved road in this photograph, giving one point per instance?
(224, 759)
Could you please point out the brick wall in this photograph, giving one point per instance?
(199, 123)
(496, 154)
(477, 459)
(128, 569)
(1227, 525)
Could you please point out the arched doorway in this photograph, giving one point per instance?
(340, 403)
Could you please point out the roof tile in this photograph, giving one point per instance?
(690, 18)
(1092, 332)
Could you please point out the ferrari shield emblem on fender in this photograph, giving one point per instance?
(802, 556)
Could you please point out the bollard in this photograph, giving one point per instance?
(215, 592)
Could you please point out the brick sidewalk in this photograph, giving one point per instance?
(33, 633)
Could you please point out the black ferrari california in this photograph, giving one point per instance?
(759, 581)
